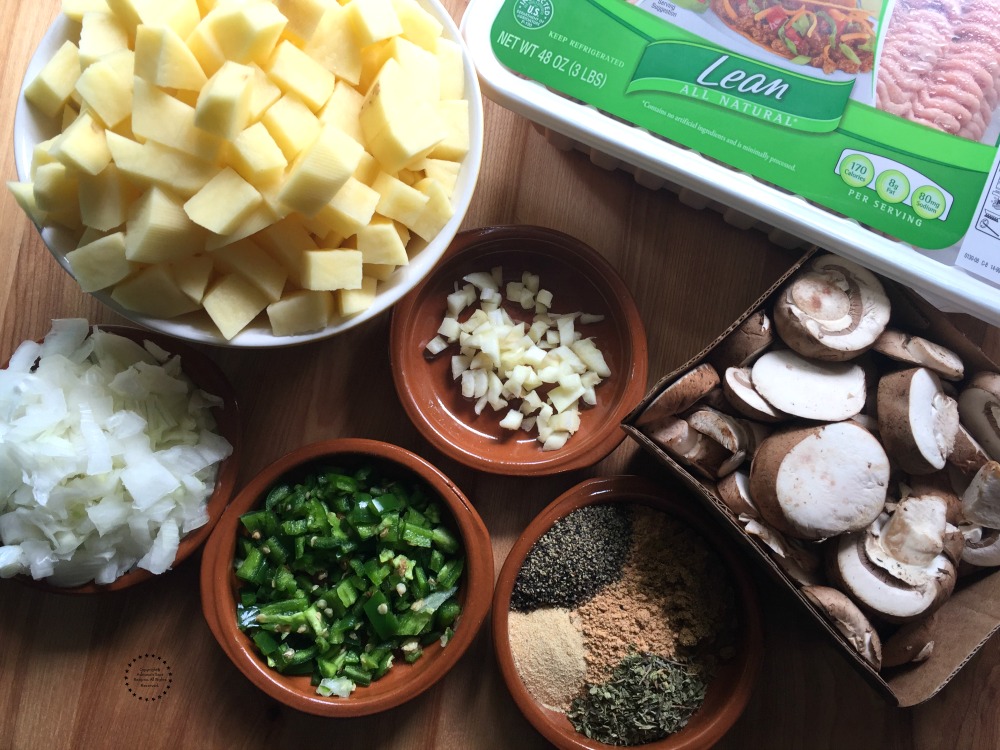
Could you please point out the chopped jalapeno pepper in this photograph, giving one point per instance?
(343, 571)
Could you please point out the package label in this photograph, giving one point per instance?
(836, 102)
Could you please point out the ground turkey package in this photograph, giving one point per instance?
(884, 111)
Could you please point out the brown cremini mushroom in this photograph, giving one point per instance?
(832, 309)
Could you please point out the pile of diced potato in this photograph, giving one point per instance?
(245, 156)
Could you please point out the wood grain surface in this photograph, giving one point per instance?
(63, 660)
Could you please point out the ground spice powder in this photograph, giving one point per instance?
(673, 599)
(547, 646)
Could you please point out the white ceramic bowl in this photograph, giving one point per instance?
(30, 128)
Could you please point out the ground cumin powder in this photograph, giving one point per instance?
(673, 599)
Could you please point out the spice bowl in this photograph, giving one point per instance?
(206, 376)
(394, 473)
(465, 428)
(583, 632)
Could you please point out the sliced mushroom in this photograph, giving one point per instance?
(734, 490)
(747, 342)
(849, 621)
(800, 561)
(913, 643)
(914, 532)
(877, 590)
(967, 455)
(981, 501)
(832, 309)
(979, 408)
(826, 391)
(916, 420)
(679, 396)
(939, 485)
(727, 431)
(818, 482)
(737, 384)
(916, 350)
(982, 547)
(688, 446)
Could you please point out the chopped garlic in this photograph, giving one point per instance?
(502, 360)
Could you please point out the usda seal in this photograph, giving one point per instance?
(533, 14)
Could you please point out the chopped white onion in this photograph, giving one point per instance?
(107, 457)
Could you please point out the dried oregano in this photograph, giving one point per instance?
(647, 698)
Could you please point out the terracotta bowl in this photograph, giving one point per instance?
(729, 690)
(580, 280)
(220, 587)
(31, 128)
(205, 374)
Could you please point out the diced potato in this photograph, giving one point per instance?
(180, 16)
(331, 269)
(205, 47)
(153, 291)
(455, 115)
(332, 45)
(101, 33)
(56, 188)
(159, 230)
(300, 312)
(192, 276)
(342, 110)
(292, 125)
(287, 241)
(452, 69)
(106, 87)
(422, 68)
(380, 244)
(320, 171)
(444, 172)
(52, 87)
(260, 218)
(263, 93)
(162, 58)
(373, 20)
(398, 200)
(437, 211)
(350, 210)
(368, 169)
(101, 263)
(232, 304)
(76, 9)
(105, 198)
(159, 117)
(378, 271)
(296, 72)
(83, 146)
(24, 194)
(223, 107)
(153, 164)
(398, 127)
(303, 15)
(260, 269)
(224, 201)
(41, 154)
(246, 33)
(419, 26)
(354, 301)
(127, 12)
(256, 157)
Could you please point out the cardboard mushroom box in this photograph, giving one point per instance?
(847, 434)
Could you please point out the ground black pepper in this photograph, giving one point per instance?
(573, 560)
